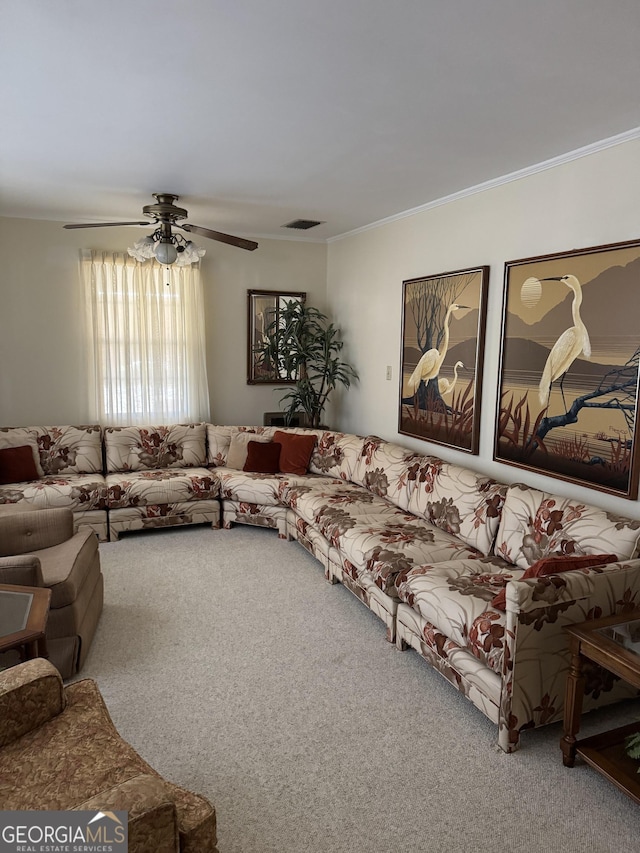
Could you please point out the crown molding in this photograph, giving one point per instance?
(577, 154)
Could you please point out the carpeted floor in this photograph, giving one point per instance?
(237, 671)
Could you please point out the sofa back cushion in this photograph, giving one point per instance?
(263, 457)
(16, 438)
(17, 465)
(138, 448)
(458, 500)
(61, 449)
(219, 441)
(388, 470)
(536, 524)
(296, 451)
(336, 454)
(239, 448)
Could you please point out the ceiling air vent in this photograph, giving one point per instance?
(303, 224)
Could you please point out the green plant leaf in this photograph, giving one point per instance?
(632, 746)
(303, 344)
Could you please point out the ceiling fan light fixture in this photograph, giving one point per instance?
(142, 250)
(164, 245)
(165, 251)
(189, 253)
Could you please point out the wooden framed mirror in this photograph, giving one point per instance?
(264, 307)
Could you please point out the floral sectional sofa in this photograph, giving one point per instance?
(68, 461)
(429, 546)
(117, 478)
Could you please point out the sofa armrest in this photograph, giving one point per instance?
(30, 695)
(26, 532)
(534, 593)
(23, 570)
(153, 823)
(537, 658)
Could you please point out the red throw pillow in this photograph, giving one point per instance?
(296, 451)
(17, 465)
(555, 566)
(263, 457)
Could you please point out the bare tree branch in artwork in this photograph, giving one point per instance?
(428, 301)
(619, 386)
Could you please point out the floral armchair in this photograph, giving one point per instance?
(59, 750)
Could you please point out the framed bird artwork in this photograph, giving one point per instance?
(570, 347)
(443, 325)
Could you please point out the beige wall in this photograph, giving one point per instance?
(275, 265)
(587, 202)
(42, 373)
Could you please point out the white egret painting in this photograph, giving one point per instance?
(569, 367)
(443, 322)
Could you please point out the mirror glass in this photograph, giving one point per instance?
(264, 309)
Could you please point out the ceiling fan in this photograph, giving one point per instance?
(163, 244)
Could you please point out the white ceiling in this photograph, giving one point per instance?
(257, 112)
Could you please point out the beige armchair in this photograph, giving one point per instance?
(59, 750)
(40, 548)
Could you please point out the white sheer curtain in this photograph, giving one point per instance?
(146, 353)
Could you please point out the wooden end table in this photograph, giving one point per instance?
(613, 643)
(24, 611)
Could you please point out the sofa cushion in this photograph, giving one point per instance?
(335, 506)
(20, 437)
(384, 549)
(336, 454)
(219, 441)
(536, 524)
(139, 448)
(296, 451)
(17, 465)
(163, 486)
(263, 457)
(264, 489)
(79, 492)
(378, 539)
(70, 449)
(239, 448)
(388, 470)
(458, 500)
(455, 597)
(60, 450)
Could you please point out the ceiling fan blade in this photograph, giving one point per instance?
(241, 243)
(107, 224)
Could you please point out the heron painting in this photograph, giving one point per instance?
(443, 325)
(570, 353)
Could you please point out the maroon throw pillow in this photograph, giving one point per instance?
(555, 566)
(296, 451)
(558, 564)
(17, 465)
(263, 457)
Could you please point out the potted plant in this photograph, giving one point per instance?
(304, 344)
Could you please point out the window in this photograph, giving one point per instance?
(147, 361)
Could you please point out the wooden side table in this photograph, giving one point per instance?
(24, 611)
(613, 643)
